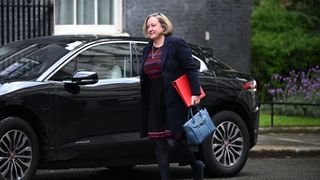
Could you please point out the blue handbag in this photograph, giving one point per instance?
(199, 126)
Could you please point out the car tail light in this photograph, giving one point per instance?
(252, 85)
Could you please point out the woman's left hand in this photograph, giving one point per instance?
(195, 100)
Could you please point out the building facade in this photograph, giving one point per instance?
(223, 25)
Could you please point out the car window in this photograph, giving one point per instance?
(216, 65)
(137, 49)
(137, 57)
(201, 66)
(14, 49)
(29, 62)
(109, 61)
(212, 63)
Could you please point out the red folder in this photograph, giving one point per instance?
(182, 86)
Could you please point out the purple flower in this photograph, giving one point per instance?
(271, 91)
(279, 91)
(305, 83)
(292, 91)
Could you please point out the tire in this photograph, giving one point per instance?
(19, 149)
(226, 151)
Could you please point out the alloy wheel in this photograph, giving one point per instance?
(15, 155)
(227, 144)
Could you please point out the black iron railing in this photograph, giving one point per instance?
(22, 19)
(272, 103)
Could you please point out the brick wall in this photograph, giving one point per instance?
(227, 22)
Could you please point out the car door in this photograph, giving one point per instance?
(107, 114)
(146, 145)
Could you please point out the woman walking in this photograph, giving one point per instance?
(166, 58)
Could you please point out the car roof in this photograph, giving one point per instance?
(84, 38)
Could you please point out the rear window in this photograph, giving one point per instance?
(206, 54)
(214, 64)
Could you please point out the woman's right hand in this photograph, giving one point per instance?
(195, 100)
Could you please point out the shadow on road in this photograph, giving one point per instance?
(137, 173)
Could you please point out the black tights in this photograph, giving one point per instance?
(179, 146)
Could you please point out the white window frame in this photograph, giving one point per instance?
(113, 29)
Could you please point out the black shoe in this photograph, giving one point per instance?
(198, 170)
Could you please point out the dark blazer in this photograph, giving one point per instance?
(176, 61)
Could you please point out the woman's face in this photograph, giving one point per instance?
(154, 28)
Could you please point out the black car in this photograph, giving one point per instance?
(74, 101)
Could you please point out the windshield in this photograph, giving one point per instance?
(26, 61)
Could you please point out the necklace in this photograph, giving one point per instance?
(153, 54)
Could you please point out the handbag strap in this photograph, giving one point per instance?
(190, 111)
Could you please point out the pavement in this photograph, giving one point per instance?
(287, 142)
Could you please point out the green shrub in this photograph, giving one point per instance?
(285, 36)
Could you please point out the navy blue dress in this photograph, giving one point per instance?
(158, 125)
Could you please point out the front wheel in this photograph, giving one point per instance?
(226, 151)
(19, 149)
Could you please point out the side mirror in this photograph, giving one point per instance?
(83, 78)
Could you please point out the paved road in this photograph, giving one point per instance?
(255, 169)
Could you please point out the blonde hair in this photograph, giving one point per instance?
(164, 21)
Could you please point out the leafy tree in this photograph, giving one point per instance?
(285, 37)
